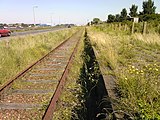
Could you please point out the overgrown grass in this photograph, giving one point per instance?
(135, 62)
(19, 52)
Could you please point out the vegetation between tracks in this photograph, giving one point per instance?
(17, 53)
(69, 99)
(134, 61)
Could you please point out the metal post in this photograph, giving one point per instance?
(59, 20)
(34, 14)
(52, 19)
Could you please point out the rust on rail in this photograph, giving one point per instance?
(7, 85)
(52, 106)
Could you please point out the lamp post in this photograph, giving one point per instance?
(51, 19)
(59, 20)
(34, 14)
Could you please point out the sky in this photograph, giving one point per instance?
(63, 11)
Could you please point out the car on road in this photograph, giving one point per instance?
(69, 26)
(4, 31)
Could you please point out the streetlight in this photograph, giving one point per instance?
(51, 19)
(34, 14)
(59, 20)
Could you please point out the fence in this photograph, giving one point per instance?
(131, 27)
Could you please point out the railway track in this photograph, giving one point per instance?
(33, 93)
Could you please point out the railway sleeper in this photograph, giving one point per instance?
(47, 69)
(32, 91)
(15, 106)
(41, 81)
(44, 75)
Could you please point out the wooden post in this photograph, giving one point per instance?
(112, 26)
(125, 27)
(133, 28)
(159, 29)
(119, 26)
(115, 27)
(144, 28)
(7, 44)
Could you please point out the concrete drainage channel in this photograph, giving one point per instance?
(100, 90)
(97, 102)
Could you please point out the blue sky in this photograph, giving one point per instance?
(63, 11)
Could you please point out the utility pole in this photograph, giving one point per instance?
(34, 16)
(59, 20)
(52, 19)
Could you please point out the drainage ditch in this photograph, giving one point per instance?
(96, 105)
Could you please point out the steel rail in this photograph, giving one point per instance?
(8, 84)
(52, 106)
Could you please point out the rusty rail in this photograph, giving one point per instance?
(52, 106)
(7, 85)
(30, 73)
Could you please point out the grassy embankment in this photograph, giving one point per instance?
(23, 51)
(135, 62)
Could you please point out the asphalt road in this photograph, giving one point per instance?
(31, 32)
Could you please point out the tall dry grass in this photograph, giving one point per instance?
(136, 63)
(105, 45)
(18, 52)
(152, 38)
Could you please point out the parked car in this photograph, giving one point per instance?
(4, 31)
(69, 26)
